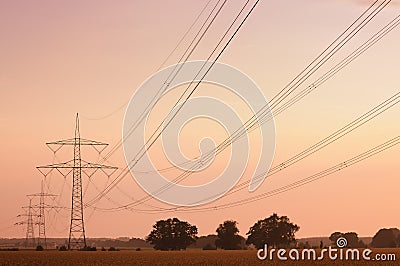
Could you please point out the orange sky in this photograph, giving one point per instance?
(57, 59)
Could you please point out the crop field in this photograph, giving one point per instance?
(150, 257)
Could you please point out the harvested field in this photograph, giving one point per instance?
(150, 257)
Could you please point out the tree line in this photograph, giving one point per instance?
(276, 231)
(173, 234)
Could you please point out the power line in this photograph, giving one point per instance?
(118, 179)
(175, 71)
(254, 120)
(304, 181)
(343, 131)
(184, 58)
(363, 23)
(321, 80)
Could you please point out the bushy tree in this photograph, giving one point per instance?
(228, 236)
(172, 234)
(352, 239)
(386, 238)
(276, 231)
(334, 237)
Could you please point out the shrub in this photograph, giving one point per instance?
(89, 248)
(209, 247)
(39, 248)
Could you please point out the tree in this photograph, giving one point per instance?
(228, 236)
(334, 237)
(386, 238)
(352, 239)
(172, 234)
(276, 231)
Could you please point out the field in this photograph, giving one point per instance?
(150, 257)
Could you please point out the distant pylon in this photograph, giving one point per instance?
(30, 233)
(77, 237)
(41, 216)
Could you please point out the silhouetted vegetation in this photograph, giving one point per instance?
(202, 241)
(39, 248)
(302, 245)
(276, 231)
(209, 247)
(62, 248)
(386, 238)
(172, 234)
(9, 249)
(89, 248)
(352, 239)
(228, 236)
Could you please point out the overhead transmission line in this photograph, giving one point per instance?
(151, 141)
(361, 157)
(343, 131)
(310, 179)
(344, 41)
(337, 44)
(213, 14)
(394, 23)
(299, 80)
(174, 72)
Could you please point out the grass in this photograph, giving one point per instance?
(150, 257)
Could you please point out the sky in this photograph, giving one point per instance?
(60, 58)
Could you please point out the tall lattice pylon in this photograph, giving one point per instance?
(77, 236)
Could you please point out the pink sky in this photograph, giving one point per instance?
(89, 57)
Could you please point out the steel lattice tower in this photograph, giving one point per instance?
(30, 233)
(77, 237)
(77, 227)
(41, 216)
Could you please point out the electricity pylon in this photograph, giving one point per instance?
(41, 216)
(30, 233)
(77, 237)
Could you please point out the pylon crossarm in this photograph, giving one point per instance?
(46, 206)
(55, 146)
(82, 141)
(42, 194)
(70, 164)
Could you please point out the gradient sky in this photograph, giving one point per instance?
(59, 58)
